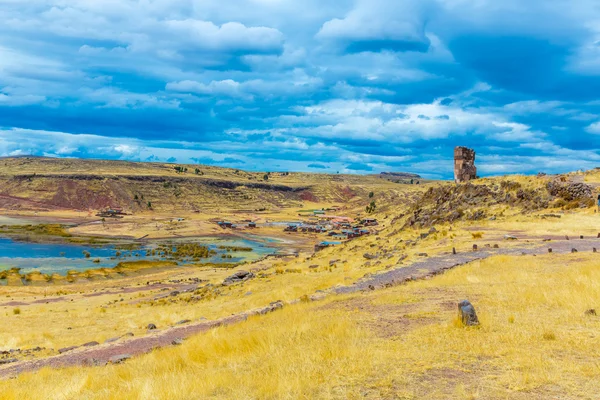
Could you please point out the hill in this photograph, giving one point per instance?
(32, 183)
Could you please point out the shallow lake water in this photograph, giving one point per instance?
(50, 258)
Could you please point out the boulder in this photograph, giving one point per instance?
(240, 276)
(467, 314)
(119, 358)
(66, 349)
(510, 237)
(151, 327)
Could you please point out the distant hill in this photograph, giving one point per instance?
(38, 183)
(400, 175)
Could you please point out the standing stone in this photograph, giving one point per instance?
(454, 250)
(464, 164)
(474, 247)
(550, 250)
(467, 314)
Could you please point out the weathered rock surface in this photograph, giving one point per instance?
(119, 358)
(467, 313)
(240, 276)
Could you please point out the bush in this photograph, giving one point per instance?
(16, 311)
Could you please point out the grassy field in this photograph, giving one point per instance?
(535, 340)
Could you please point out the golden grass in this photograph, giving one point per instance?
(535, 341)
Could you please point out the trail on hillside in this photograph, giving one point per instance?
(126, 348)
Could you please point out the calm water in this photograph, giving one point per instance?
(59, 258)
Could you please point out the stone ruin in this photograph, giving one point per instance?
(464, 164)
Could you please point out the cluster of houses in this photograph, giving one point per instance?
(340, 228)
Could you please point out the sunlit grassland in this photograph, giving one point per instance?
(535, 341)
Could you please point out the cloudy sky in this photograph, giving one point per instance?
(315, 85)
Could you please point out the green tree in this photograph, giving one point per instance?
(371, 208)
(150, 205)
(266, 177)
(371, 195)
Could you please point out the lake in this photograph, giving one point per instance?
(49, 258)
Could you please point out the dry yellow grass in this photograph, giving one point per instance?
(534, 342)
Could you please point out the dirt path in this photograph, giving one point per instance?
(102, 354)
(436, 265)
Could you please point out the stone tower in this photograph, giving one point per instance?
(464, 164)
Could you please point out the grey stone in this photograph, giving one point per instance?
(467, 313)
(66, 349)
(90, 344)
(183, 321)
(240, 276)
(119, 358)
(151, 327)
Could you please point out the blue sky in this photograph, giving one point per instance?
(324, 86)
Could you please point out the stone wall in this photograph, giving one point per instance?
(464, 164)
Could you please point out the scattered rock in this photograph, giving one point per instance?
(183, 321)
(66, 349)
(177, 342)
(496, 246)
(510, 237)
(591, 311)
(240, 276)
(550, 250)
(119, 358)
(573, 250)
(90, 344)
(151, 327)
(112, 340)
(474, 247)
(422, 255)
(370, 256)
(314, 266)
(467, 313)
(8, 361)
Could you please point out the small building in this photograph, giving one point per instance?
(370, 222)
(225, 224)
(252, 225)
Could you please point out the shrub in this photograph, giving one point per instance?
(16, 311)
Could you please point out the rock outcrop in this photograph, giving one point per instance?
(464, 164)
(240, 276)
